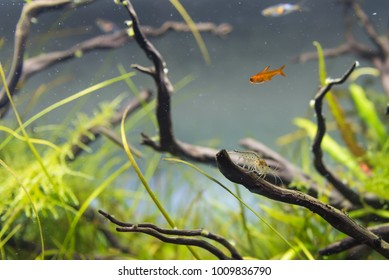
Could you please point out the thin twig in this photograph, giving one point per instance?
(349, 242)
(222, 29)
(181, 236)
(111, 237)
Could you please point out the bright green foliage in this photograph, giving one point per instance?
(378, 183)
(330, 146)
(321, 63)
(51, 198)
(368, 114)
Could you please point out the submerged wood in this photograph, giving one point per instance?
(333, 216)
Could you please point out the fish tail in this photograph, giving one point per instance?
(281, 72)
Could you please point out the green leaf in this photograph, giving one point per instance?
(329, 145)
(321, 62)
(368, 114)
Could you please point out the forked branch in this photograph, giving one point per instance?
(349, 242)
(179, 237)
(355, 198)
(167, 141)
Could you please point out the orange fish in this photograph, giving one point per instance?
(266, 75)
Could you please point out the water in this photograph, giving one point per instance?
(219, 103)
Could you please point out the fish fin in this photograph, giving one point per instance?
(265, 69)
(281, 72)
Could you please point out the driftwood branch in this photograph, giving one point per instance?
(349, 242)
(289, 173)
(351, 195)
(164, 85)
(333, 216)
(316, 146)
(181, 237)
(112, 238)
(45, 60)
(167, 141)
(221, 30)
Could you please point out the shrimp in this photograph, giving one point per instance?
(253, 162)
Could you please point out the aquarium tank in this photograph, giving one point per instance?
(194, 130)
